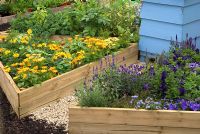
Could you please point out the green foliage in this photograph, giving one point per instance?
(43, 22)
(89, 19)
(93, 98)
(16, 6)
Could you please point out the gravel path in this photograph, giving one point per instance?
(51, 119)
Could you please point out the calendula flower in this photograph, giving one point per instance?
(1, 50)
(29, 31)
(7, 69)
(7, 52)
(15, 55)
(13, 41)
(43, 71)
(54, 47)
(35, 67)
(53, 69)
(28, 55)
(44, 67)
(25, 39)
(2, 37)
(24, 76)
(14, 65)
(22, 70)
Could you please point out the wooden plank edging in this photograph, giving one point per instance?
(93, 120)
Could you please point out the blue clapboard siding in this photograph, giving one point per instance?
(162, 20)
(171, 14)
(167, 2)
(160, 30)
(191, 13)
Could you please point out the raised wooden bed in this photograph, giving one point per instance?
(27, 100)
(7, 19)
(131, 121)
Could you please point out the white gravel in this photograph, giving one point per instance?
(55, 112)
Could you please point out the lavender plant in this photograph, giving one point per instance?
(173, 84)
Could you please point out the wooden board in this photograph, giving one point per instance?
(10, 89)
(128, 121)
(26, 101)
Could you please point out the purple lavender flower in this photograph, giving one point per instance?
(151, 71)
(146, 86)
(182, 91)
(165, 62)
(164, 75)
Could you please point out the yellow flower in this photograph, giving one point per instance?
(7, 52)
(24, 76)
(29, 31)
(22, 64)
(44, 44)
(1, 50)
(22, 70)
(13, 41)
(7, 69)
(35, 67)
(34, 71)
(76, 37)
(28, 64)
(43, 71)
(38, 59)
(39, 45)
(44, 67)
(25, 39)
(69, 39)
(89, 45)
(68, 55)
(14, 65)
(16, 77)
(81, 52)
(53, 69)
(15, 55)
(2, 37)
(54, 47)
(28, 55)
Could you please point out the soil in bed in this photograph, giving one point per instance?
(10, 124)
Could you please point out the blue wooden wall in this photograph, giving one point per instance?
(162, 20)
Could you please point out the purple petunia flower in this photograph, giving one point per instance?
(194, 106)
(184, 104)
(193, 65)
(173, 106)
